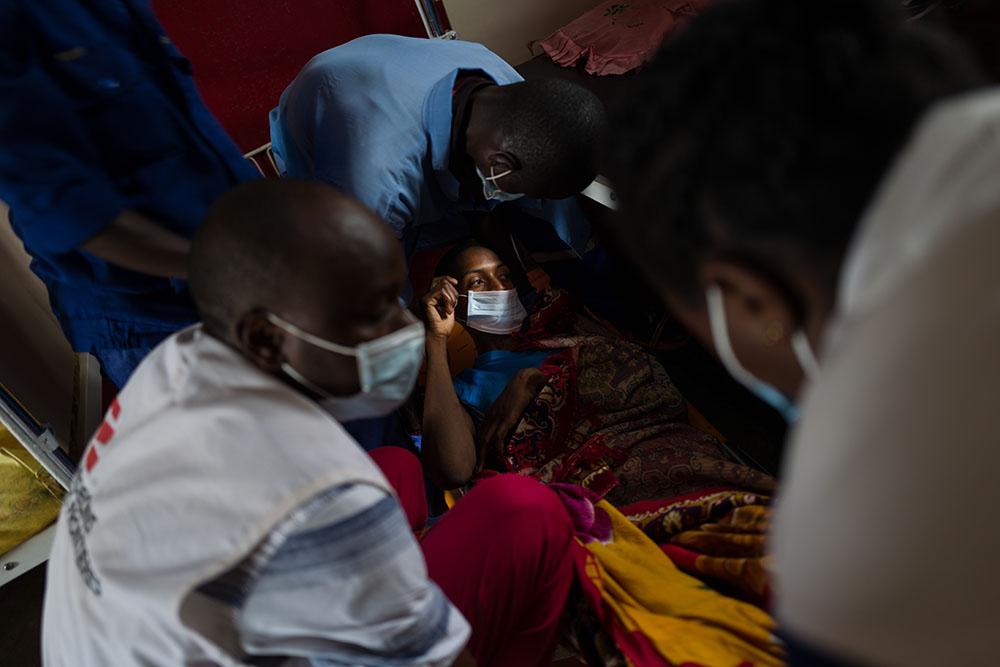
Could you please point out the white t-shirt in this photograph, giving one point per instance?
(219, 515)
(886, 539)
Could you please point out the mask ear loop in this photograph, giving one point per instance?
(290, 371)
(723, 348)
(720, 338)
(720, 335)
(493, 177)
(321, 343)
(804, 353)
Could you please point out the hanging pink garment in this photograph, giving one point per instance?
(617, 37)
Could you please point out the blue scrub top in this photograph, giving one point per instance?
(479, 387)
(99, 113)
(373, 117)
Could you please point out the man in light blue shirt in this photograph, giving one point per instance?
(424, 132)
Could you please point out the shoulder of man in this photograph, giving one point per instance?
(898, 442)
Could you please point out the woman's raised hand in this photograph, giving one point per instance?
(439, 307)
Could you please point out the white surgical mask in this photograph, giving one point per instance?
(491, 190)
(765, 391)
(387, 368)
(498, 312)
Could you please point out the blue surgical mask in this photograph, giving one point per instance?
(491, 190)
(387, 369)
(765, 391)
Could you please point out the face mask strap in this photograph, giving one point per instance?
(411, 333)
(290, 371)
(720, 336)
(413, 329)
(493, 177)
(804, 353)
(321, 343)
(411, 325)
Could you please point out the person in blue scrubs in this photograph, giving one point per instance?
(427, 132)
(109, 163)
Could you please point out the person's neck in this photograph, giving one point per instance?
(487, 342)
(467, 122)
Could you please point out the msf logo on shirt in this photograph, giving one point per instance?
(80, 513)
(103, 436)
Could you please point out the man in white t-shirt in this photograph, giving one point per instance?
(221, 515)
(802, 193)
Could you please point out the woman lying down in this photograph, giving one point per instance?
(554, 395)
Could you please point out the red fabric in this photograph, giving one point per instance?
(245, 52)
(657, 504)
(716, 535)
(685, 559)
(422, 266)
(609, 419)
(501, 555)
(402, 468)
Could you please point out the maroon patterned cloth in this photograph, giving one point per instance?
(610, 420)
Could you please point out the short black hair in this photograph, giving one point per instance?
(238, 244)
(555, 128)
(448, 264)
(771, 122)
(276, 244)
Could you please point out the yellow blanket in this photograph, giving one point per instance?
(29, 497)
(656, 614)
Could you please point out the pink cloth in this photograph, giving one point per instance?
(501, 555)
(617, 37)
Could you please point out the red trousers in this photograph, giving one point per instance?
(501, 555)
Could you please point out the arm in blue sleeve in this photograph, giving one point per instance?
(47, 163)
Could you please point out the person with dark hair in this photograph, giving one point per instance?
(428, 132)
(223, 515)
(631, 439)
(109, 161)
(812, 189)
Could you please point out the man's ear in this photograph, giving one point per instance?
(260, 340)
(502, 161)
(756, 306)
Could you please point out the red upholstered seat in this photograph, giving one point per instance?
(245, 52)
